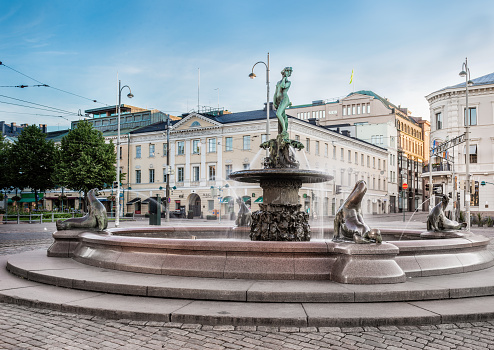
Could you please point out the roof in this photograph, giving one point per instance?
(384, 101)
(483, 80)
(159, 126)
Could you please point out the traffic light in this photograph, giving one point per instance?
(450, 195)
(427, 187)
(483, 183)
(338, 189)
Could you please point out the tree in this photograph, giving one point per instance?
(4, 164)
(32, 161)
(86, 161)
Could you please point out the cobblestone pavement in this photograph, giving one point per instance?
(28, 328)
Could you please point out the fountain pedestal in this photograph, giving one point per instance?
(280, 217)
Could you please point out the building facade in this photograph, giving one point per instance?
(367, 116)
(448, 119)
(205, 149)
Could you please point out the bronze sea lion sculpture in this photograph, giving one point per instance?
(349, 224)
(95, 218)
(437, 220)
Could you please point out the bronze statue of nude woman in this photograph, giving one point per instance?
(282, 102)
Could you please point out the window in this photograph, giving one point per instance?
(246, 166)
(473, 154)
(379, 164)
(334, 152)
(211, 145)
(228, 144)
(180, 174)
(195, 124)
(374, 162)
(344, 110)
(138, 176)
(356, 158)
(368, 161)
(212, 172)
(210, 204)
(368, 108)
(317, 148)
(138, 151)
(307, 145)
(151, 175)
(342, 154)
(180, 148)
(246, 142)
(439, 121)
(349, 156)
(196, 148)
(353, 109)
(195, 173)
(358, 109)
(362, 160)
(326, 150)
(164, 175)
(264, 138)
(151, 150)
(297, 138)
(228, 171)
(384, 164)
(473, 116)
(165, 149)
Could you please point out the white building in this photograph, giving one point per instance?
(447, 111)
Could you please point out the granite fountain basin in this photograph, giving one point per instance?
(225, 252)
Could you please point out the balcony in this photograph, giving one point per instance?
(438, 167)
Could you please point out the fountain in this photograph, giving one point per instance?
(280, 217)
(279, 246)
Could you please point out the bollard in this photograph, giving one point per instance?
(52, 216)
(41, 218)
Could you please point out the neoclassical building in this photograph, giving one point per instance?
(372, 118)
(448, 118)
(205, 149)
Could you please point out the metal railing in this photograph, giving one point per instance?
(33, 218)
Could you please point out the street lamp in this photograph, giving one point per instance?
(129, 95)
(465, 72)
(252, 76)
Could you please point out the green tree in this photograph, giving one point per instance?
(4, 164)
(86, 160)
(32, 161)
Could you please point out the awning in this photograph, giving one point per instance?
(226, 200)
(258, 200)
(146, 201)
(246, 198)
(103, 199)
(135, 200)
(29, 197)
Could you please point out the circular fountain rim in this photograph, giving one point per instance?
(257, 175)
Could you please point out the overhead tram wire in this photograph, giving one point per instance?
(41, 109)
(52, 87)
(52, 109)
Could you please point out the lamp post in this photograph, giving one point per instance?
(465, 72)
(431, 191)
(129, 95)
(252, 76)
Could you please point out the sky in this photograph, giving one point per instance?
(401, 50)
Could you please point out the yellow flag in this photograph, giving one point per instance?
(351, 77)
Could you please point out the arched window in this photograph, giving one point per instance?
(195, 124)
